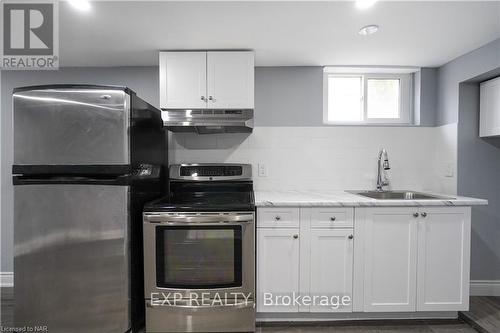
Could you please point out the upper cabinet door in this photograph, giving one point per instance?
(489, 123)
(230, 80)
(443, 259)
(183, 80)
(390, 258)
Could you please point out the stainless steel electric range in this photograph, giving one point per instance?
(199, 251)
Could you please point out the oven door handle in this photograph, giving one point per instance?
(207, 224)
(182, 219)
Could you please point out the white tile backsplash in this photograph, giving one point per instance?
(445, 159)
(330, 158)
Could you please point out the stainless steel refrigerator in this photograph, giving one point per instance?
(86, 159)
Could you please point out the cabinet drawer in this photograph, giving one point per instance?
(332, 217)
(284, 217)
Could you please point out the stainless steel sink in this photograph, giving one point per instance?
(398, 195)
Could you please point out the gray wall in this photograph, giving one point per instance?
(293, 96)
(284, 96)
(289, 96)
(463, 68)
(478, 160)
(478, 175)
(428, 97)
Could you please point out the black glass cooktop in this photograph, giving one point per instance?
(206, 197)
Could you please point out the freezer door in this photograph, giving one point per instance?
(67, 126)
(71, 258)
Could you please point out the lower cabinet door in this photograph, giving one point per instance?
(443, 259)
(390, 259)
(331, 270)
(277, 269)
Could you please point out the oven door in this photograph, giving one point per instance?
(204, 254)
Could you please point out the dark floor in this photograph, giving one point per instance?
(483, 314)
(441, 326)
(6, 307)
(485, 310)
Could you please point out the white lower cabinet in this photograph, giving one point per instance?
(388, 259)
(413, 259)
(277, 267)
(443, 259)
(312, 260)
(331, 260)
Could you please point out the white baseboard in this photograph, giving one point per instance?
(485, 287)
(263, 317)
(6, 279)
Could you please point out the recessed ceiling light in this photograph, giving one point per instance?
(368, 30)
(363, 4)
(83, 5)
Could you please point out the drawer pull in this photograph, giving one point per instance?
(333, 218)
(295, 236)
(277, 218)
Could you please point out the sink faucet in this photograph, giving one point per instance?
(382, 165)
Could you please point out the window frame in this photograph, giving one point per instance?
(405, 98)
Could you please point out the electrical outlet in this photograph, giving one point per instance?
(449, 170)
(262, 170)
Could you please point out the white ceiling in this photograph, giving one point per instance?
(129, 33)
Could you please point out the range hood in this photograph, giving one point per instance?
(208, 121)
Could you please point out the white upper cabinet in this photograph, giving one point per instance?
(207, 80)
(489, 123)
(183, 80)
(230, 80)
(443, 259)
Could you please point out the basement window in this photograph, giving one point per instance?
(364, 96)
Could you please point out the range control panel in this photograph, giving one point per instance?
(224, 171)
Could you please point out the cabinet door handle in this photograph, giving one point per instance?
(333, 218)
(295, 236)
(415, 214)
(203, 98)
(424, 214)
(350, 236)
(277, 218)
(211, 98)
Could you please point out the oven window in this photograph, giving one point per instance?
(198, 257)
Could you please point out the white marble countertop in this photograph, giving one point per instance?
(346, 199)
